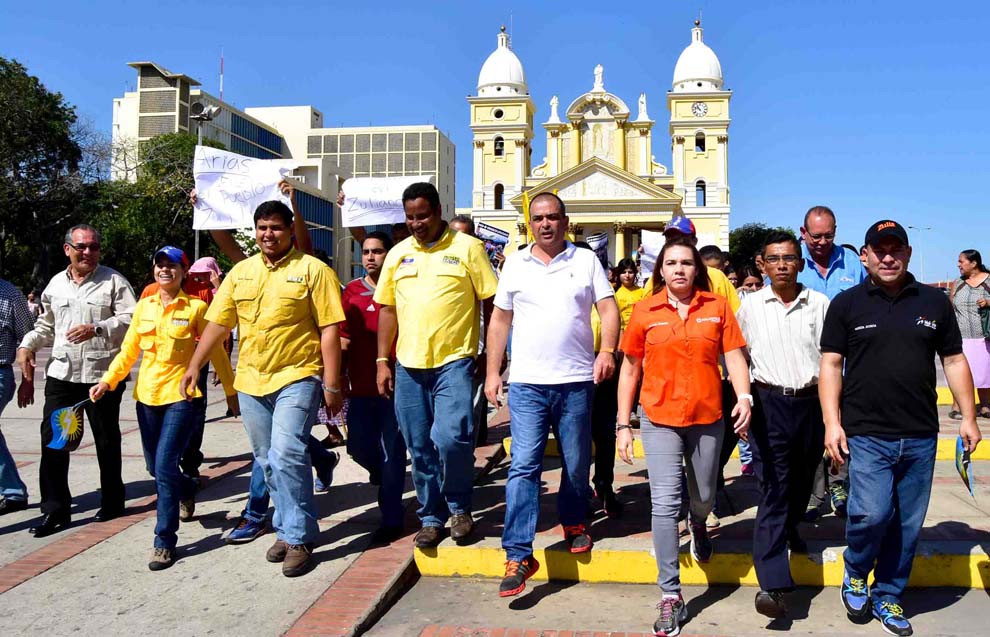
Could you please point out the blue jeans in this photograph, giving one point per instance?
(535, 411)
(374, 441)
(434, 410)
(257, 504)
(165, 431)
(745, 453)
(278, 425)
(11, 485)
(890, 482)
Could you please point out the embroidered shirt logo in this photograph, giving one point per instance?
(407, 261)
(929, 323)
(658, 324)
(180, 322)
(450, 260)
(868, 326)
(709, 319)
(295, 279)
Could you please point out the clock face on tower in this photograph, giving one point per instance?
(699, 109)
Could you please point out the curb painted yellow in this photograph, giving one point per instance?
(946, 449)
(639, 567)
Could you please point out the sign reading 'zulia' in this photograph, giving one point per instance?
(229, 187)
(370, 201)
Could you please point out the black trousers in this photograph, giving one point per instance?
(604, 408)
(103, 419)
(730, 439)
(787, 437)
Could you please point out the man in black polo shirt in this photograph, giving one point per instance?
(887, 331)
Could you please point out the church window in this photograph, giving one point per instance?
(498, 113)
(499, 194)
(699, 194)
(699, 142)
(499, 147)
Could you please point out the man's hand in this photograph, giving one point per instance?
(80, 333)
(970, 434)
(624, 444)
(234, 405)
(187, 384)
(25, 393)
(286, 188)
(96, 391)
(493, 389)
(743, 413)
(334, 401)
(386, 383)
(604, 366)
(836, 445)
(340, 199)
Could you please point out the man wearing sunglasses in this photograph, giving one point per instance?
(86, 311)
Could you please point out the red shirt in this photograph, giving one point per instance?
(361, 328)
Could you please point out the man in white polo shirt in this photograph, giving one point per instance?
(546, 294)
(782, 324)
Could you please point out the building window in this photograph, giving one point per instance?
(498, 113)
(499, 147)
(699, 142)
(699, 194)
(499, 193)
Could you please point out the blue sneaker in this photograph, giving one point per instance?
(324, 474)
(892, 618)
(245, 531)
(855, 596)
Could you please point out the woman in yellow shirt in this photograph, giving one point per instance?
(165, 328)
(629, 292)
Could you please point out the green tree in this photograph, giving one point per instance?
(40, 184)
(746, 240)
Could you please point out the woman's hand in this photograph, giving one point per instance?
(983, 303)
(96, 391)
(743, 413)
(624, 444)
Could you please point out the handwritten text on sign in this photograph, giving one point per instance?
(229, 187)
(370, 201)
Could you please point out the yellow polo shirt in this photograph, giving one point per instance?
(278, 310)
(435, 290)
(167, 337)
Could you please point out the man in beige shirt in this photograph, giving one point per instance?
(87, 310)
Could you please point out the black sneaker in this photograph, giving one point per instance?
(516, 574)
(772, 604)
(701, 544)
(578, 540)
(673, 613)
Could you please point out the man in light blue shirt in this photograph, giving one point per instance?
(831, 268)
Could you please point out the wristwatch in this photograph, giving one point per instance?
(748, 397)
(98, 330)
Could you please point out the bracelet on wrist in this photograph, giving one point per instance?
(381, 360)
(619, 428)
(332, 390)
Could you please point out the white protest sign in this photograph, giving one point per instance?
(370, 201)
(651, 242)
(229, 187)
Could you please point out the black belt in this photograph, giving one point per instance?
(810, 390)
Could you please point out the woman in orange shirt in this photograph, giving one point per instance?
(675, 336)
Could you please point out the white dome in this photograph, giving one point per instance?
(502, 73)
(698, 69)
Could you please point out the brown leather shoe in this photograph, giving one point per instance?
(277, 552)
(428, 537)
(461, 527)
(298, 560)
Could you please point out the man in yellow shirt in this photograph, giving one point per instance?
(286, 305)
(429, 290)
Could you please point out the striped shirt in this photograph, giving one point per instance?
(784, 342)
(16, 320)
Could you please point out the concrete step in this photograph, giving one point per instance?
(953, 550)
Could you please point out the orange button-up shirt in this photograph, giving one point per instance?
(681, 381)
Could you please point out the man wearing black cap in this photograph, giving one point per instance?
(886, 331)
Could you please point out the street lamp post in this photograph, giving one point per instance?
(921, 248)
(202, 114)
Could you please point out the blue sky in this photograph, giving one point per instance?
(876, 109)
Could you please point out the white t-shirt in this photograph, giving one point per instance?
(551, 304)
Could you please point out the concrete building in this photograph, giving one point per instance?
(323, 157)
(599, 155)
